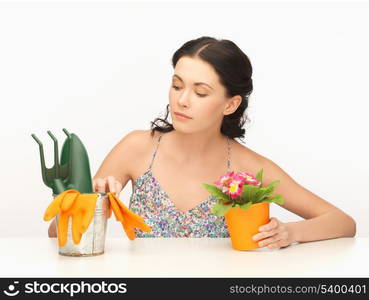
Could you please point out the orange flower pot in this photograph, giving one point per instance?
(244, 224)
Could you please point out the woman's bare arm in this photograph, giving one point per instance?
(322, 221)
(118, 164)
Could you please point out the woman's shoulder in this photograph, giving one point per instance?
(249, 160)
(245, 158)
(140, 140)
(141, 144)
(144, 135)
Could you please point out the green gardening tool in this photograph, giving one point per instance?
(73, 171)
(74, 155)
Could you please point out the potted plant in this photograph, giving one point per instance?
(244, 202)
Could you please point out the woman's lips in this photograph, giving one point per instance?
(180, 115)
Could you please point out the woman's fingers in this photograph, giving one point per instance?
(265, 234)
(118, 187)
(100, 185)
(275, 234)
(272, 224)
(108, 184)
(111, 183)
(275, 238)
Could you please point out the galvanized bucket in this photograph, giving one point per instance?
(93, 240)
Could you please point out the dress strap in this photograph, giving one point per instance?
(229, 156)
(154, 154)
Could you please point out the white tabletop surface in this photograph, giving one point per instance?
(185, 257)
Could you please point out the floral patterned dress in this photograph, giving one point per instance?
(153, 204)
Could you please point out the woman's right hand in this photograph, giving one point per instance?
(106, 185)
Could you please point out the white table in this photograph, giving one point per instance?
(185, 257)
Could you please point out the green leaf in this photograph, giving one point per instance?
(215, 191)
(249, 192)
(265, 192)
(245, 206)
(259, 176)
(260, 195)
(276, 199)
(220, 209)
(270, 188)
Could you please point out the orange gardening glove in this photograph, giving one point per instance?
(129, 219)
(72, 203)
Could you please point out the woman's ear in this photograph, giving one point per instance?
(232, 104)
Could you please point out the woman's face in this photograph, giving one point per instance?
(196, 91)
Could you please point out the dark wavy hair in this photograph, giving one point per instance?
(234, 70)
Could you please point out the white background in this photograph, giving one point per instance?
(102, 70)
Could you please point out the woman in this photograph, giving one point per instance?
(208, 97)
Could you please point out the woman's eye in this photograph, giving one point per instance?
(178, 88)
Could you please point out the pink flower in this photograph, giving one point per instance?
(231, 183)
(225, 179)
(235, 187)
(249, 178)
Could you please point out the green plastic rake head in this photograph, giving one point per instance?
(73, 170)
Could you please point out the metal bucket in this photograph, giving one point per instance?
(93, 240)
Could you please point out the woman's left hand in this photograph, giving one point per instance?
(274, 235)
